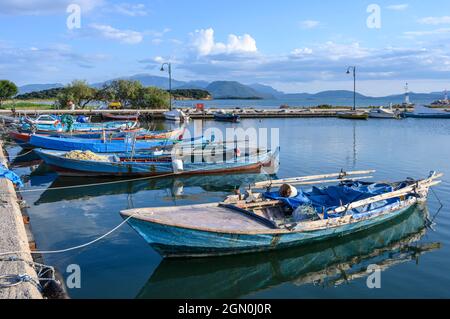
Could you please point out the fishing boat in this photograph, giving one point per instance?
(121, 117)
(353, 115)
(151, 165)
(97, 145)
(325, 264)
(423, 112)
(383, 113)
(78, 127)
(9, 119)
(223, 116)
(23, 139)
(444, 103)
(278, 219)
(176, 115)
(43, 120)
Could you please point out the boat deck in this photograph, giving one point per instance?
(209, 217)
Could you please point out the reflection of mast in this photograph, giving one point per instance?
(354, 144)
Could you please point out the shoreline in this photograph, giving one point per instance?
(255, 113)
(15, 237)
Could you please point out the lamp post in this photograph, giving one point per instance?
(169, 69)
(353, 68)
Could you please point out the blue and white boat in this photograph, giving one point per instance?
(97, 145)
(146, 164)
(58, 126)
(423, 112)
(275, 220)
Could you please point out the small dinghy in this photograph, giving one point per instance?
(277, 219)
(223, 116)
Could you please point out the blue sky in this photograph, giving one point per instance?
(295, 46)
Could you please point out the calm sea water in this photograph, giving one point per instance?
(415, 259)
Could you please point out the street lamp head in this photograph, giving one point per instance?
(348, 71)
(162, 69)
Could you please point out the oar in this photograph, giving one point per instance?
(296, 180)
(404, 191)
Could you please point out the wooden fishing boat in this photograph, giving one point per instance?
(97, 145)
(78, 127)
(23, 139)
(273, 220)
(226, 117)
(353, 115)
(151, 165)
(120, 117)
(9, 119)
(324, 264)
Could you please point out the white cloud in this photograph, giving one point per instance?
(204, 43)
(301, 52)
(398, 7)
(435, 20)
(427, 33)
(44, 7)
(309, 24)
(132, 10)
(123, 36)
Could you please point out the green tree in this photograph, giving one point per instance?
(79, 92)
(125, 91)
(7, 90)
(152, 98)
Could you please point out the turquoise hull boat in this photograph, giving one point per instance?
(239, 226)
(325, 264)
(79, 127)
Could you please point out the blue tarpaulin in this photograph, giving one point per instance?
(13, 177)
(328, 198)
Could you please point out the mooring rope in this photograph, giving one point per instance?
(12, 280)
(59, 251)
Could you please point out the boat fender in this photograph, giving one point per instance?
(177, 165)
(288, 191)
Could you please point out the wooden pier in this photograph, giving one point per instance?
(14, 237)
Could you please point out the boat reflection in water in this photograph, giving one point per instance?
(176, 185)
(329, 263)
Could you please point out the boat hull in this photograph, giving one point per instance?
(178, 242)
(227, 118)
(71, 167)
(353, 116)
(94, 145)
(427, 116)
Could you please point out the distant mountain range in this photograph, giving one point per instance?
(236, 90)
(38, 87)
